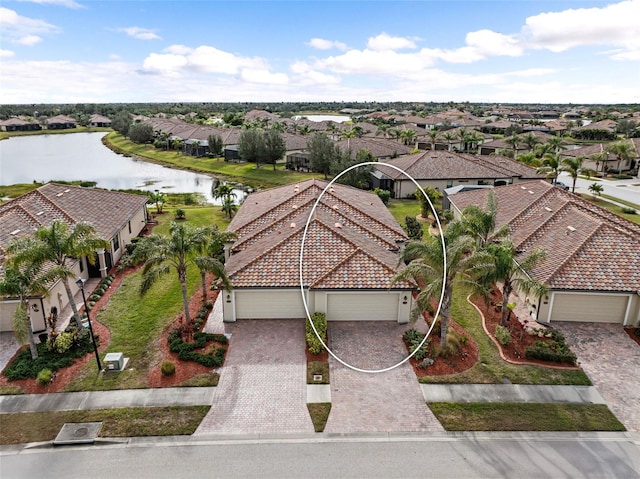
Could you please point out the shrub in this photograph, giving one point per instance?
(451, 347)
(503, 335)
(556, 350)
(63, 342)
(414, 338)
(413, 228)
(44, 376)
(168, 368)
(180, 214)
(94, 297)
(313, 343)
(384, 195)
(629, 211)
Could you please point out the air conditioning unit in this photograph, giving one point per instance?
(114, 361)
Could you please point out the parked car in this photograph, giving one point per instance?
(560, 184)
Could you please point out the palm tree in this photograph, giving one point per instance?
(434, 136)
(531, 141)
(395, 133)
(224, 192)
(513, 142)
(159, 199)
(622, 150)
(599, 158)
(408, 136)
(480, 223)
(24, 281)
(383, 129)
(551, 166)
(61, 245)
(348, 134)
(211, 259)
(557, 143)
(498, 262)
(573, 166)
(425, 266)
(462, 136)
(162, 253)
(448, 137)
(543, 150)
(596, 189)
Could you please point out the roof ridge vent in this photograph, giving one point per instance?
(15, 232)
(547, 208)
(338, 225)
(571, 228)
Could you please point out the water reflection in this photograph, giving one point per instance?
(82, 156)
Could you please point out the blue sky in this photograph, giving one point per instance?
(530, 51)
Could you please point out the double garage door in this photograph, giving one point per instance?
(278, 304)
(595, 308)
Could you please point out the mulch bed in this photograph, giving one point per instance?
(631, 331)
(514, 352)
(184, 369)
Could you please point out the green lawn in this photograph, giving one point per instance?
(615, 208)
(122, 422)
(80, 129)
(491, 368)
(195, 215)
(400, 209)
(525, 417)
(245, 173)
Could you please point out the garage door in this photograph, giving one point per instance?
(269, 305)
(362, 306)
(594, 308)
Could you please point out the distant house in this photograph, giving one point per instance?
(117, 217)
(60, 122)
(99, 121)
(349, 259)
(592, 263)
(18, 124)
(443, 169)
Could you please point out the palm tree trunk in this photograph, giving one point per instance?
(444, 317)
(32, 342)
(185, 300)
(204, 286)
(76, 317)
(506, 292)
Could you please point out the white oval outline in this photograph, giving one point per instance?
(444, 273)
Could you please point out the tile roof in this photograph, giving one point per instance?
(108, 211)
(351, 242)
(587, 247)
(443, 165)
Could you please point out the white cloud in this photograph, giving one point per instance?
(322, 44)
(376, 62)
(114, 56)
(6, 53)
(28, 40)
(140, 33)
(62, 3)
(615, 24)
(256, 75)
(306, 75)
(23, 30)
(386, 42)
(203, 59)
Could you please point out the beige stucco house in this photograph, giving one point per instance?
(592, 264)
(117, 217)
(349, 258)
(444, 169)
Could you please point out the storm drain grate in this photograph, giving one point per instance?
(78, 433)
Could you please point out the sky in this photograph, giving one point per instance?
(509, 51)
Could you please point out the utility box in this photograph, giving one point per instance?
(114, 361)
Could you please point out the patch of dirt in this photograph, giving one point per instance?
(184, 369)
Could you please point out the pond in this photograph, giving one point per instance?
(82, 156)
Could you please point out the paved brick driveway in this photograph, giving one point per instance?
(612, 361)
(367, 402)
(262, 386)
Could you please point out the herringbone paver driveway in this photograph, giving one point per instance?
(611, 359)
(262, 386)
(374, 402)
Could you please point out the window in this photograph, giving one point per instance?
(129, 227)
(449, 183)
(81, 261)
(115, 243)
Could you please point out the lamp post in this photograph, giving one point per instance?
(80, 283)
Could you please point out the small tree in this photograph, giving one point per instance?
(433, 195)
(159, 199)
(596, 189)
(251, 146)
(274, 147)
(215, 145)
(413, 228)
(121, 123)
(141, 133)
(322, 153)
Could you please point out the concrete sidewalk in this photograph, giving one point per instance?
(510, 393)
(204, 396)
(107, 399)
